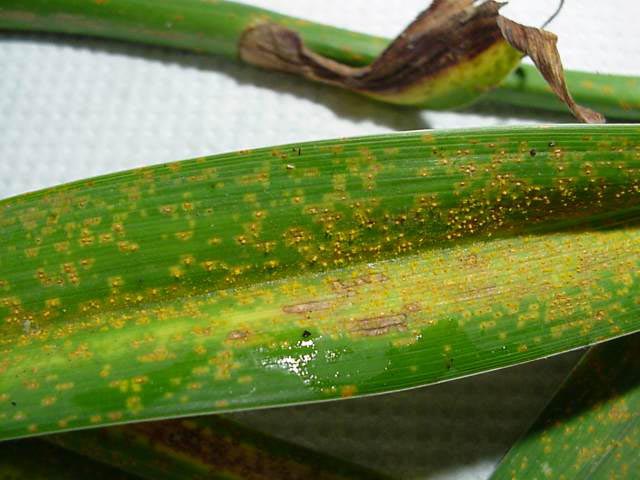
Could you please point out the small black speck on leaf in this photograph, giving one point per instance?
(449, 363)
(306, 334)
(533, 152)
(14, 403)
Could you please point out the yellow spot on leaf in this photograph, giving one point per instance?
(48, 401)
(348, 391)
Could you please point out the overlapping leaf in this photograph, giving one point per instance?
(591, 429)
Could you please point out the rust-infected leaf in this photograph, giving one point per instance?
(494, 257)
(450, 55)
(540, 46)
(591, 428)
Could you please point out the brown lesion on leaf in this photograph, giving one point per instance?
(237, 335)
(478, 293)
(378, 326)
(343, 287)
(385, 324)
(413, 307)
(349, 286)
(450, 33)
(219, 446)
(307, 307)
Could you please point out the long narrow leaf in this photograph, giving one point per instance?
(591, 429)
(616, 96)
(313, 271)
(36, 460)
(218, 27)
(206, 447)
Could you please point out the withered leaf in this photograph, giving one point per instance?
(540, 46)
(450, 55)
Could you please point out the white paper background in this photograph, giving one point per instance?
(72, 108)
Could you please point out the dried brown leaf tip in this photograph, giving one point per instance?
(449, 56)
(541, 46)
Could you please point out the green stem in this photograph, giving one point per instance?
(201, 26)
(195, 25)
(615, 96)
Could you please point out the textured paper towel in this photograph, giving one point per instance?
(73, 108)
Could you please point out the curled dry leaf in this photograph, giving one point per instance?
(540, 46)
(450, 55)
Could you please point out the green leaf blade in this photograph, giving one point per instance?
(591, 428)
(616, 96)
(392, 262)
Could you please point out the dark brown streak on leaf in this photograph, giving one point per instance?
(307, 307)
(446, 34)
(382, 325)
(541, 46)
(218, 453)
(348, 287)
(237, 335)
